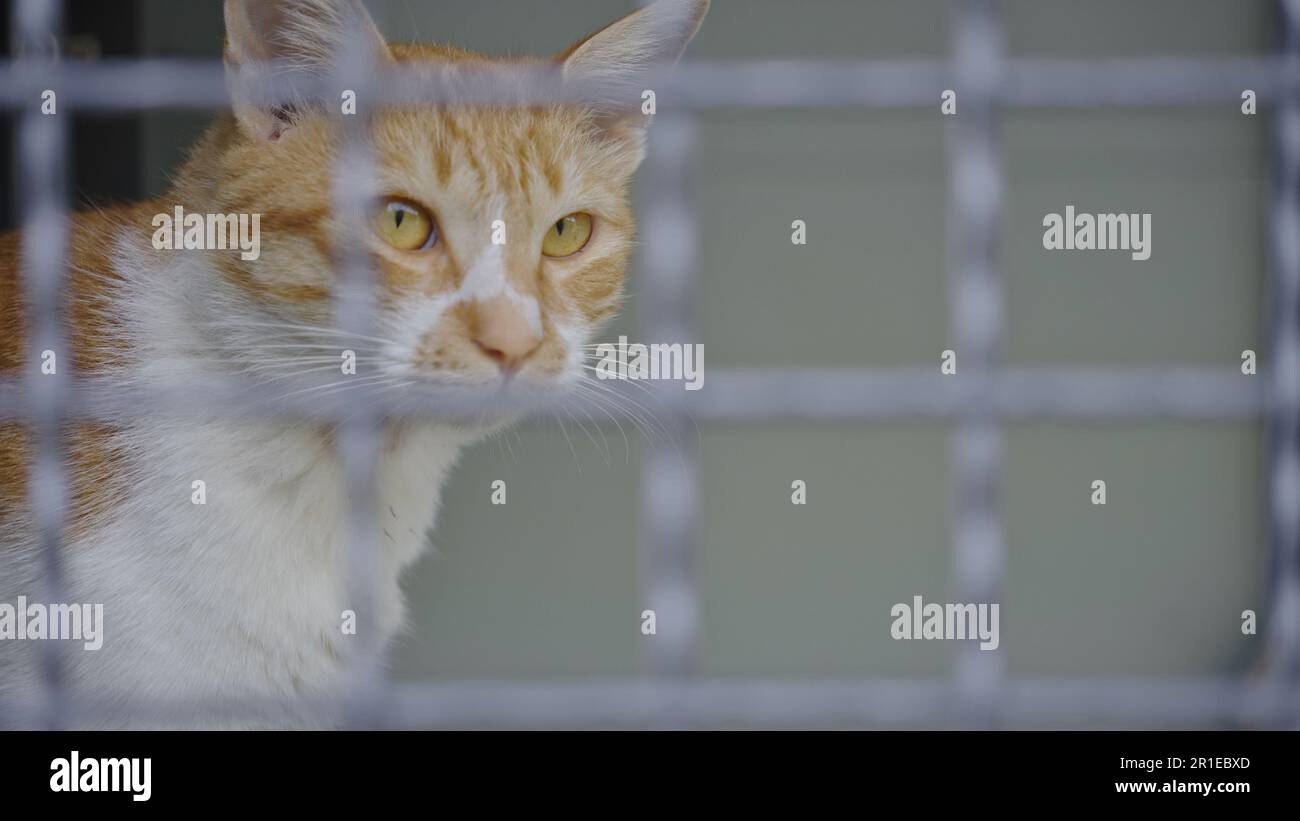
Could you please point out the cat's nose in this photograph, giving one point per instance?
(505, 332)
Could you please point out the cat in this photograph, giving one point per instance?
(244, 596)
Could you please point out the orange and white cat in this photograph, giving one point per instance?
(242, 596)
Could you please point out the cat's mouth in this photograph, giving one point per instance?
(503, 396)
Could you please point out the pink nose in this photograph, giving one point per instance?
(503, 332)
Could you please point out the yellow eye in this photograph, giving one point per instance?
(404, 226)
(568, 236)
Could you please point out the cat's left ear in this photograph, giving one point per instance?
(305, 36)
(618, 60)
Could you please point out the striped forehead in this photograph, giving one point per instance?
(517, 154)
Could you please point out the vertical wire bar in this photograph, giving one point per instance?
(1284, 472)
(42, 159)
(669, 474)
(357, 426)
(977, 307)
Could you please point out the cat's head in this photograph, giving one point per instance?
(500, 236)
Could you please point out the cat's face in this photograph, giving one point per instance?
(499, 236)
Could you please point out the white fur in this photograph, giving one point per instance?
(242, 597)
(487, 279)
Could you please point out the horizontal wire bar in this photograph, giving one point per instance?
(754, 702)
(827, 704)
(125, 85)
(737, 395)
(1067, 393)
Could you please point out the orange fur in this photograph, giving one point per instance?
(535, 163)
(95, 464)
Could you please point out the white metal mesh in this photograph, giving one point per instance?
(978, 402)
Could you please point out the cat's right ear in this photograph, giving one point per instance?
(615, 61)
(304, 36)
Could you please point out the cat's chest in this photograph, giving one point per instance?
(284, 491)
(253, 523)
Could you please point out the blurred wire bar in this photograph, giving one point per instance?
(669, 476)
(1284, 433)
(357, 433)
(977, 305)
(42, 162)
(123, 85)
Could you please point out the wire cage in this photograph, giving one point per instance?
(976, 403)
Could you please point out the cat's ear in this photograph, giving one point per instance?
(305, 36)
(618, 60)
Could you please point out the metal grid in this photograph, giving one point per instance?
(979, 401)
